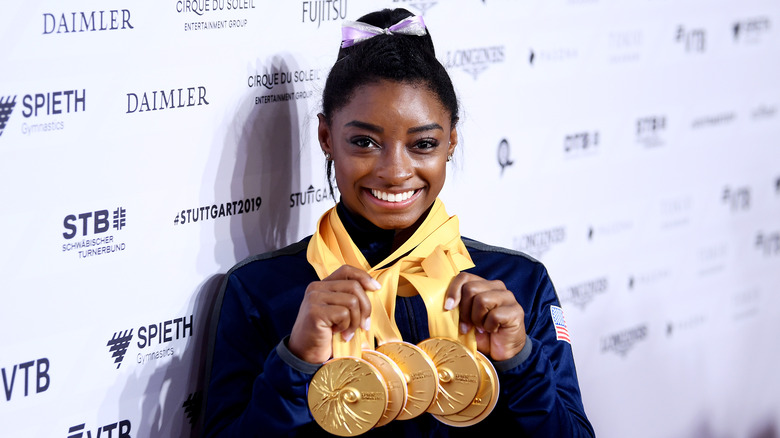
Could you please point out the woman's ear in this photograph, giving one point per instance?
(323, 134)
(453, 141)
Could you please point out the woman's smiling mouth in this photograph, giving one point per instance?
(392, 197)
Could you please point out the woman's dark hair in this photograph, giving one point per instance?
(396, 57)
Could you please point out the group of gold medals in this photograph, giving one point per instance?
(376, 377)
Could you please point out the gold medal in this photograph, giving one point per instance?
(483, 403)
(396, 384)
(458, 375)
(347, 396)
(420, 374)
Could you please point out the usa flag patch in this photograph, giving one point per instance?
(561, 332)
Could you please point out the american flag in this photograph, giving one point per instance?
(561, 332)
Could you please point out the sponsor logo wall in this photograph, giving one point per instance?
(147, 148)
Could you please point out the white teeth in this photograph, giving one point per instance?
(392, 197)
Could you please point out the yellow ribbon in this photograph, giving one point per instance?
(436, 254)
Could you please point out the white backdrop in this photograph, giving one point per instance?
(632, 146)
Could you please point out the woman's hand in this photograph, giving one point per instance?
(336, 304)
(494, 312)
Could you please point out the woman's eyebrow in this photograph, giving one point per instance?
(366, 126)
(423, 128)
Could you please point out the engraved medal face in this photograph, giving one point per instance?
(458, 373)
(420, 374)
(396, 384)
(483, 403)
(347, 396)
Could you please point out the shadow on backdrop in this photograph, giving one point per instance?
(259, 157)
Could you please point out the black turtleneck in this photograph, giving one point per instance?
(375, 243)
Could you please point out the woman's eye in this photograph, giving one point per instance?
(426, 144)
(362, 142)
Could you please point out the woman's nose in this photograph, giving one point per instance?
(395, 165)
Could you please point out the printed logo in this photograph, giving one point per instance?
(583, 294)
(311, 195)
(504, 160)
(646, 279)
(713, 120)
(118, 346)
(544, 56)
(676, 212)
(561, 332)
(694, 41)
(214, 211)
(475, 61)
(286, 78)
(6, 108)
(624, 46)
(623, 341)
(39, 372)
(48, 104)
(768, 244)
(166, 99)
(419, 5)
(92, 21)
(581, 144)
(122, 428)
(538, 243)
(649, 130)
(751, 31)
(690, 323)
(192, 406)
(317, 11)
(206, 8)
(746, 304)
(763, 112)
(712, 259)
(737, 198)
(609, 229)
(102, 222)
(149, 336)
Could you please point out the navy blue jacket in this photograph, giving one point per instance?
(258, 388)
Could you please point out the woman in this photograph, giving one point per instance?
(388, 129)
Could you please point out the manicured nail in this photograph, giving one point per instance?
(367, 324)
(375, 284)
(480, 330)
(464, 328)
(449, 304)
(347, 337)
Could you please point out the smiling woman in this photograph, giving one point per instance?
(385, 321)
(390, 145)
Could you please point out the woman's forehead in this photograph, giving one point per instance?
(390, 100)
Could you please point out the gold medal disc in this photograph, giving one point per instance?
(483, 403)
(347, 396)
(420, 374)
(458, 373)
(396, 384)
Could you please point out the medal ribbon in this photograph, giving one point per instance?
(436, 254)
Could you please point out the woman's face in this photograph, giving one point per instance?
(389, 146)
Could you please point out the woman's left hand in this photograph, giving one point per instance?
(488, 306)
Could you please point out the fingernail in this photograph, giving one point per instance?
(464, 328)
(367, 324)
(347, 337)
(449, 304)
(480, 330)
(375, 284)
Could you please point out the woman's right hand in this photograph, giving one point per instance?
(336, 304)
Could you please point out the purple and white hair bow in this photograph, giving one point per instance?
(354, 32)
